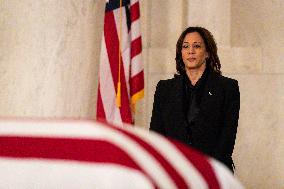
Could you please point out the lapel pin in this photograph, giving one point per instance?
(210, 93)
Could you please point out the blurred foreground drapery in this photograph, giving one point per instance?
(84, 154)
(121, 76)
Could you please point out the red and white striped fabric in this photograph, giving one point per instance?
(127, 26)
(86, 154)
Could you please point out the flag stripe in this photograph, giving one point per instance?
(84, 150)
(107, 90)
(125, 45)
(136, 65)
(135, 29)
(177, 159)
(136, 47)
(180, 183)
(202, 165)
(67, 149)
(100, 110)
(134, 12)
(137, 83)
(133, 1)
(112, 45)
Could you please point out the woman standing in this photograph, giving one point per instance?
(199, 106)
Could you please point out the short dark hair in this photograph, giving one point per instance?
(212, 61)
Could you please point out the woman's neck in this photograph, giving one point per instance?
(195, 74)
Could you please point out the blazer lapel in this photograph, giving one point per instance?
(178, 91)
(179, 101)
(210, 91)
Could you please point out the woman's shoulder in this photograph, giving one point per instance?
(220, 81)
(171, 81)
(228, 83)
(228, 80)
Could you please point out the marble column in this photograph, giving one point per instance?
(49, 53)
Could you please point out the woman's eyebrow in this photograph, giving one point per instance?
(193, 42)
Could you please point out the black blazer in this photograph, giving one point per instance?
(215, 127)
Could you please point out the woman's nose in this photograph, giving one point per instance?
(191, 50)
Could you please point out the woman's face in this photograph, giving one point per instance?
(194, 52)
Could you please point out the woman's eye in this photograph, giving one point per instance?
(185, 46)
(196, 46)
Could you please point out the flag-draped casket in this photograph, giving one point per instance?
(86, 154)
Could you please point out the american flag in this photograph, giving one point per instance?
(121, 76)
(85, 154)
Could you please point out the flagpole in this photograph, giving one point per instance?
(118, 94)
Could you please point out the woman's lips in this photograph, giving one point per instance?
(191, 59)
